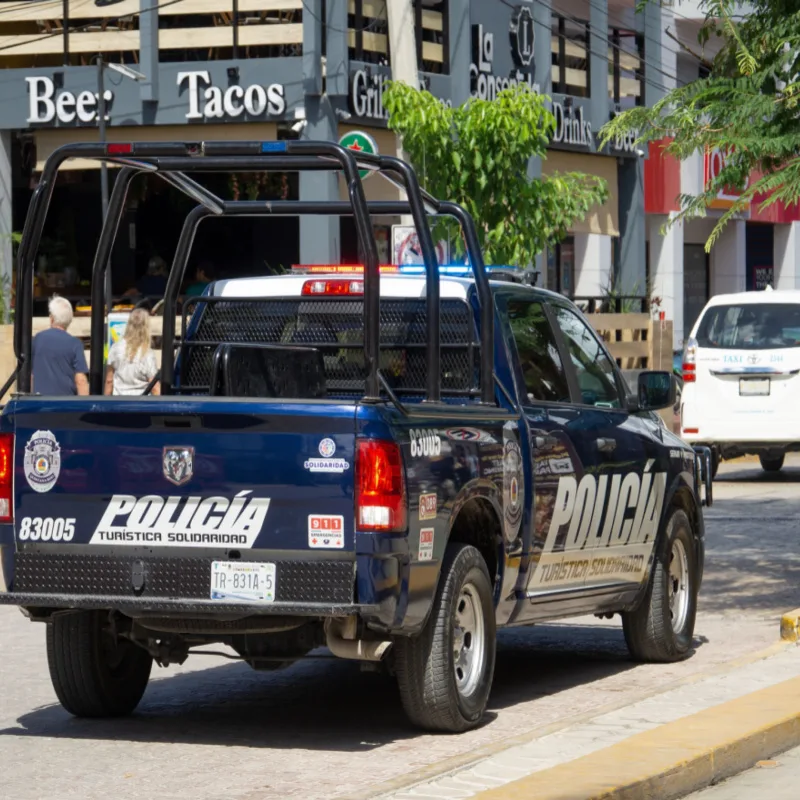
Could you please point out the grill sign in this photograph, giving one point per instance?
(182, 521)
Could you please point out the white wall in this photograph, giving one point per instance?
(728, 272)
(592, 264)
(666, 270)
(787, 256)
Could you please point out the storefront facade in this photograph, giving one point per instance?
(283, 74)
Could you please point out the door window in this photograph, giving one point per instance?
(594, 369)
(542, 369)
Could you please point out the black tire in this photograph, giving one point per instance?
(93, 674)
(772, 464)
(715, 459)
(650, 631)
(426, 664)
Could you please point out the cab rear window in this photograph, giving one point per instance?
(751, 326)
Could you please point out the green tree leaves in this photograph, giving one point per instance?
(747, 108)
(477, 155)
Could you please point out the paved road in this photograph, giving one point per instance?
(324, 729)
(773, 779)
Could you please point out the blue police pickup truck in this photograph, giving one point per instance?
(390, 463)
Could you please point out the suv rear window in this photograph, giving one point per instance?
(751, 326)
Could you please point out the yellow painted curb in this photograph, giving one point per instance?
(674, 759)
(790, 626)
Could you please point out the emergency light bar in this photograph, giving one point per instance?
(456, 270)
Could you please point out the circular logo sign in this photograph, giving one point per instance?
(360, 142)
(522, 36)
(42, 461)
(327, 447)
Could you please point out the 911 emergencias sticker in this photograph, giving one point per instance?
(325, 531)
(425, 545)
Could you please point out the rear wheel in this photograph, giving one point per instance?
(445, 673)
(94, 672)
(661, 629)
(772, 463)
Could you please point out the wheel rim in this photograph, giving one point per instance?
(468, 640)
(678, 585)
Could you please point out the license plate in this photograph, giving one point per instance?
(753, 386)
(243, 581)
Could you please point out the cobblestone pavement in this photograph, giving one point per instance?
(324, 729)
(773, 779)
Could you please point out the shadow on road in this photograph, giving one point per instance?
(331, 705)
(752, 561)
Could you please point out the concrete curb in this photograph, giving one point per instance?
(675, 759)
(790, 626)
(454, 764)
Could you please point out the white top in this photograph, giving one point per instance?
(131, 376)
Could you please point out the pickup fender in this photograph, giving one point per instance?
(475, 518)
(681, 493)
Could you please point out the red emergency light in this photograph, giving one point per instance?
(119, 149)
(333, 287)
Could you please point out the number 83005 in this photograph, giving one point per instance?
(46, 529)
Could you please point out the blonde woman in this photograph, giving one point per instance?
(131, 361)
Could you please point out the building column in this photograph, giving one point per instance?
(598, 63)
(460, 35)
(592, 264)
(787, 256)
(728, 264)
(6, 221)
(630, 267)
(320, 236)
(666, 270)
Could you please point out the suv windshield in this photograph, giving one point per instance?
(752, 326)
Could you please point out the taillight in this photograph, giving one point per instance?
(6, 477)
(380, 486)
(689, 358)
(337, 287)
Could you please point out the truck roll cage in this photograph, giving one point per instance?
(172, 160)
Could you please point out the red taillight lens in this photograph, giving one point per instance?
(689, 373)
(337, 287)
(691, 430)
(380, 486)
(6, 477)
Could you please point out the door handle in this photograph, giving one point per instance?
(606, 445)
(545, 441)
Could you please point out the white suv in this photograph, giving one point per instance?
(741, 377)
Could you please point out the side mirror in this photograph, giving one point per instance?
(654, 391)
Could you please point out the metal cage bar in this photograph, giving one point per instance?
(171, 159)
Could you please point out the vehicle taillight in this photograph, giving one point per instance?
(6, 477)
(380, 486)
(338, 287)
(689, 367)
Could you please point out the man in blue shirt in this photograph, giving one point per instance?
(59, 364)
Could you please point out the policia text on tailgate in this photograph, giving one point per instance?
(389, 464)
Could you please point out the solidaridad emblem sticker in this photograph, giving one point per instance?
(42, 461)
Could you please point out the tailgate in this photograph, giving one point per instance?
(206, 476)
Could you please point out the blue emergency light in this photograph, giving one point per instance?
(273, 147)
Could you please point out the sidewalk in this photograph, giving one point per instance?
(664, 746)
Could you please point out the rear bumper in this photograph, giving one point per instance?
(50, 601)
(179, 584)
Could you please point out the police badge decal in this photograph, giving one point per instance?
(42, 461)
(178, 464)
